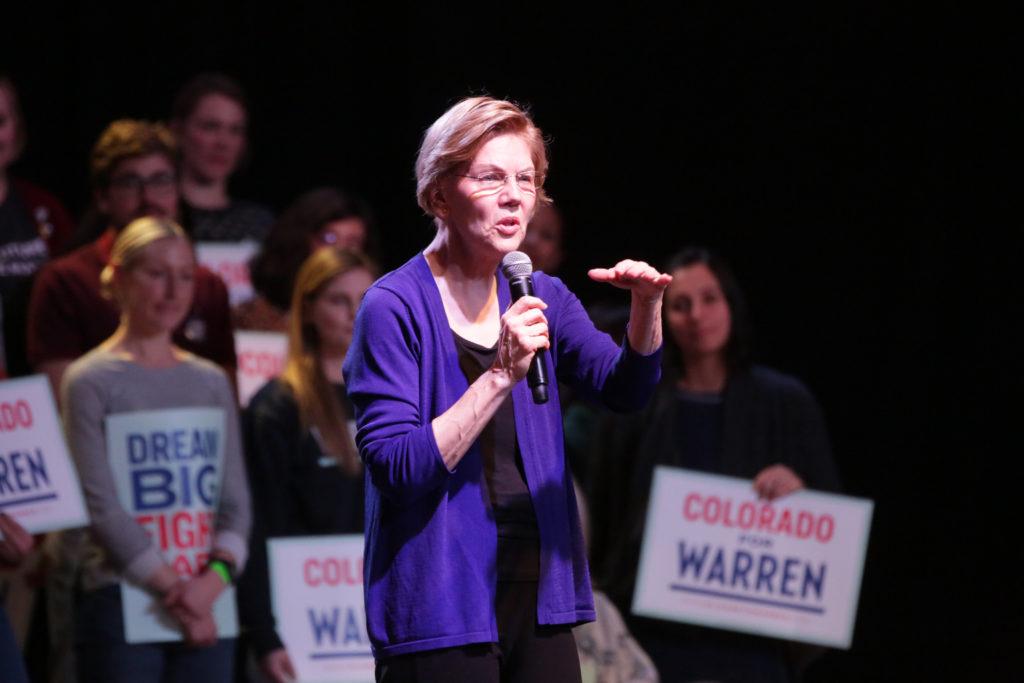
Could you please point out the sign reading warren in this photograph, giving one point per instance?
(38, 482)
(167, 466)
(317, 596)
(715, 555)
(261, 357)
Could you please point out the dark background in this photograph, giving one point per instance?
(850, 163)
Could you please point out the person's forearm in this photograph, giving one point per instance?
(457, 428)
(645, 325)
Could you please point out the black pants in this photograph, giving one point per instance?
(525, 652)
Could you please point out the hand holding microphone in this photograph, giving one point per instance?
(524, 329)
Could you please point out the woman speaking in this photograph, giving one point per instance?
(475, 567)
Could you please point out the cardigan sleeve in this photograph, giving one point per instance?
(382, 374)
(616, 376)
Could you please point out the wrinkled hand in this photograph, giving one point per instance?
(524, 330)
(16, 544)
(277, 666)
(776, 481)
(643, 280)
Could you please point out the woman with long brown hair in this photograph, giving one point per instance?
(303, 465)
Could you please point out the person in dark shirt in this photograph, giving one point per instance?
(34, 225)
(304, 470)
(133, 175)
(715, 412)
(210, 117)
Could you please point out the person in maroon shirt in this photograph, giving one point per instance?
(133, 175)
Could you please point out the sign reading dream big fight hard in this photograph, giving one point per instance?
(715, 555)
(230, 260)
(38, 482)
(317, 597)
(167, 467)
(261, 357)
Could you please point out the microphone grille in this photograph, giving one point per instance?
(515, 264)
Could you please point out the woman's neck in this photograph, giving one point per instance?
(151, 350)
(704, 374)
(468, 289)
(4, 185)
(204, 194)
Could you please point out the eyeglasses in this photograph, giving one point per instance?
(492, 181)
(160, 183)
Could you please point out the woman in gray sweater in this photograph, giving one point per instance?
(151, 275)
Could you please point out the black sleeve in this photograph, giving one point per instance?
(272, 437)
(812, 448)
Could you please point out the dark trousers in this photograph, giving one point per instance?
(105, 657)
(525, 652)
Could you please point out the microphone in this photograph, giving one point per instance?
(517, 268)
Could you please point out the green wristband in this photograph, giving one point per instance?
(219, 568)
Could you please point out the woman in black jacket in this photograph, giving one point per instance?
(304, 470)
(714, 412)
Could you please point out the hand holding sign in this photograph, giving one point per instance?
(777, 481)
(15, 542)
(277, 666)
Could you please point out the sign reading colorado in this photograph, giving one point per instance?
(316, 586)
(714, 554)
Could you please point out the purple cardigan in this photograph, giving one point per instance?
(430, 535)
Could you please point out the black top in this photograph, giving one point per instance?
(297, 490)
(698, 427)
(22, 252)
(518, 545)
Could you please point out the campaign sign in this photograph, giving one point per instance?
(167, 467)
(230, 260)
(261, 357)
(38, 482)
(316, 586)
(714, 554)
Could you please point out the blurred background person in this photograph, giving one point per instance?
(715, 412)
(324, 217)
(210, 117)
(133, 175)
(303, 465)
(34, 225)
(132, 170)
(16, 545)
(543, 241)
(151, 273)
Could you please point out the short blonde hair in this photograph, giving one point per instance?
(130, 244)
(460, 132)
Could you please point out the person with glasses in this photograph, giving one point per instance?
(303, 464)
(320, 218)
(133, 175)
(475, 566)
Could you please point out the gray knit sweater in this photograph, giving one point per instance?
(100, 384)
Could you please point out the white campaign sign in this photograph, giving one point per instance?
(168, 465)
(715, 555)
(261, 357)
(38, 482)
(317, 597)
(230, 260)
